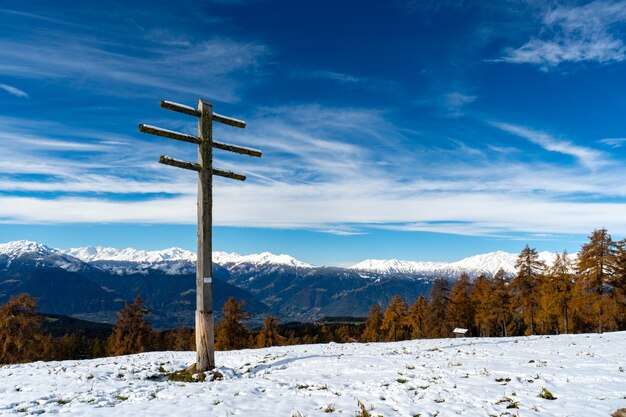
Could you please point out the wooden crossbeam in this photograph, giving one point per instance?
(229, 174)
(181, 108)
(153, 130)
(164, 159)
(229, 121)
(237, 149)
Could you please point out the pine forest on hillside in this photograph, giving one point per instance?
(588, 296)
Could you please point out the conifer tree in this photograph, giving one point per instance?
(418, 318)
(461, 305)
(481, 296)
(596, 268)
(372, 325)
(619, 281)
(438, 316)
(269, 334)
(230, 333)
(500, 302)
(21, 336)
(394, 326)
(525, 286)
(132, 333)
(556, 294)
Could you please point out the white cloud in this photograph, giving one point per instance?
(166, 67)
(456, 101)
(614, 142)
(591, 158)
(13, 90)
(587, 33)
(334, 170)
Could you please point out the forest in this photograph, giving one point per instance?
(588, 295)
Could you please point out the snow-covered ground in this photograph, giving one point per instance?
(444, 377)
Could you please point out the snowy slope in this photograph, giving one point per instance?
(99, 253)
(488, 264)
(173, 260)
(261, 259)
(443, 377)
(26, 250)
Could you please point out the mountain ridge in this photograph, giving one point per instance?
(177, 261)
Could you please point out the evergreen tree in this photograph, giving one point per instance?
(394, 326)
(596, 268)
(418, 318)
(556, 294)
(619, 281)
(269, 334)
(372, 325)
(481, 298)
(21, 336)
(500, 302)
(230, 333)
(438, 316)
(525, 286)
(461, 305)
(132, 333)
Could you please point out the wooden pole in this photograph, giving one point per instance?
(205, 352)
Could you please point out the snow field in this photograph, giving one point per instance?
(442, 377)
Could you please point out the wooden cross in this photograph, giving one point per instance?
(205, 350)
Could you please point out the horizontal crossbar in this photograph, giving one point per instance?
(229, 174)
(153, 130)
(196, 167)
(181, 108)
(164, 159)
(237, 149)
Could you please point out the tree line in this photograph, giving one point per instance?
(588, 295)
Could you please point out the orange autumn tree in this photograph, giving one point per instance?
(230, 332)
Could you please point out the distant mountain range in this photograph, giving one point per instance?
(93, 282)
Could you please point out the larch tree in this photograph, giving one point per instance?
(132, 333)
(418, 318)
(461, 309)
(395, 324)
(484, 318)
(21, 336)
(526, 284)
(556, 293)
(371, 333)
(438, 315)
(596, 268)
(269, 334)
(500, 300)
(230, 333)
(619, 280)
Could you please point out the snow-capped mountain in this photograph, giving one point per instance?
(262, 259)
(173, 260)
(99, 253)
(488, 264)
(36, 253)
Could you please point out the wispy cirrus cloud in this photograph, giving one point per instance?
(315, 175)
(455, 102)
(161, 65)
(587, 33)
(589, 157)
(14, 90)
(614, 142)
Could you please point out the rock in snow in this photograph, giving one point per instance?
(440, 377)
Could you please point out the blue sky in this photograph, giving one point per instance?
(418, 130)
